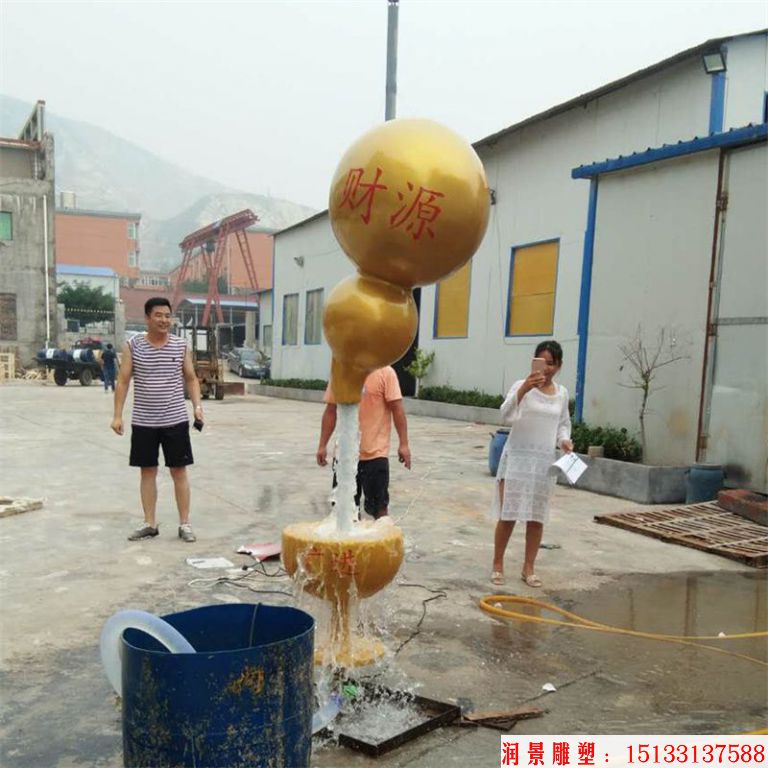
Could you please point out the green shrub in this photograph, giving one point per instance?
(461, 397)
(297, 383)
(617, 442)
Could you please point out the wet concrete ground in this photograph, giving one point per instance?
(67, 567)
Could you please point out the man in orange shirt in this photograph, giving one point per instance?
(381, 406)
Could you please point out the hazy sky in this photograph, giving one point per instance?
(265, 96)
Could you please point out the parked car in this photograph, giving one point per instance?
(247, 363)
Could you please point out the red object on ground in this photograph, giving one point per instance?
(753, 506)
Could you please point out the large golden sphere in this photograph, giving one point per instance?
(409, 202)
(368, 324)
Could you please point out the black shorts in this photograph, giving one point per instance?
(373, 480)
(372, 483)
(146, 441)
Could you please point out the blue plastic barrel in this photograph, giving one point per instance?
(244, 699)
(703, 483)
(495, 449)
(83, 355)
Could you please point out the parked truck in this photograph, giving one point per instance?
(82, 363)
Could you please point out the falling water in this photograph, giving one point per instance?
(347, 467)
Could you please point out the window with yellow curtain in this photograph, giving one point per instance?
(452, 305)
(532, 283)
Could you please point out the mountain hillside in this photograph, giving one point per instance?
(110, 173)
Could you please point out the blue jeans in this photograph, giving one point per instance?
(109, 378)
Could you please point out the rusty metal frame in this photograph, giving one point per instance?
(218, 233)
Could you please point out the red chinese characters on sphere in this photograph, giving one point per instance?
(356, 192)
(409, 202)
(418, 215)
(417, 212)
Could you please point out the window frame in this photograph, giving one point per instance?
(307, 342)
(285, 343)
(9, 214)
(437, 304)
(510, 286)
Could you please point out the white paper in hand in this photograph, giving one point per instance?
(572, 467)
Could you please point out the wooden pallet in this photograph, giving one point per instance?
(707, 527)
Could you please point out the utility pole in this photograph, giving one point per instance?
(391, 92)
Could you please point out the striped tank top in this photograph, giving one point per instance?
(158, 382)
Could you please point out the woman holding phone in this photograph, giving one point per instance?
(536, 408)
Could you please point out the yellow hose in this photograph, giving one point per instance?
(578, 622)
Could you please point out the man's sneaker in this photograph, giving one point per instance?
(143, 532)
(186, 533)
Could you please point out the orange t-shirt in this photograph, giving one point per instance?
(379, 390)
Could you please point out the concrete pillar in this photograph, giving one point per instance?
(250, 330)
(61, 326)
(119, 325)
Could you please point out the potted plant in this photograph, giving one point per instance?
(419, 366)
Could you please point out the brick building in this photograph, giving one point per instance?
(98, 239)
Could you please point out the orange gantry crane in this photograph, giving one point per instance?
(211, 241)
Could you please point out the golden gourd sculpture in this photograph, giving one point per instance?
(409, 205)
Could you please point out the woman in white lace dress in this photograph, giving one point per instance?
(537, 411)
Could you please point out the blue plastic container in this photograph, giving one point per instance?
(703, 483)
(244, 699)
(495, 449)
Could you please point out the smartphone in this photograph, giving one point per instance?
(538, 365)
(198, 425)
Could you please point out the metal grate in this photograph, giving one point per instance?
(707, 527)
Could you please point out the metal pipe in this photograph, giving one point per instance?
(710, 328)
(584, 298)
(391, 90)
(47, 275)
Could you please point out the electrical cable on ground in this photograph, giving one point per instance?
(258, 569)
(578, 622)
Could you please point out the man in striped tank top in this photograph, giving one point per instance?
(159, 364)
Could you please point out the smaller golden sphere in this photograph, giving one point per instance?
(368, 324)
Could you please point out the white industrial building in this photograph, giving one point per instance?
(641, 204)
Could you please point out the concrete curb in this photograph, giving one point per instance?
(439, 410)
(412, 406)
(643, 483)
(286, 393)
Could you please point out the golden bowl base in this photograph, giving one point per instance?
(355, 652)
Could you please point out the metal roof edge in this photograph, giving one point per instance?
(81, 269)
(101, 214)
(735, 136)
(301, 223)
(19, 144)
(615, 85)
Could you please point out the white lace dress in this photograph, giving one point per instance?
(537, 425)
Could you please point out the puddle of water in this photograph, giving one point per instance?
(640, 685)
